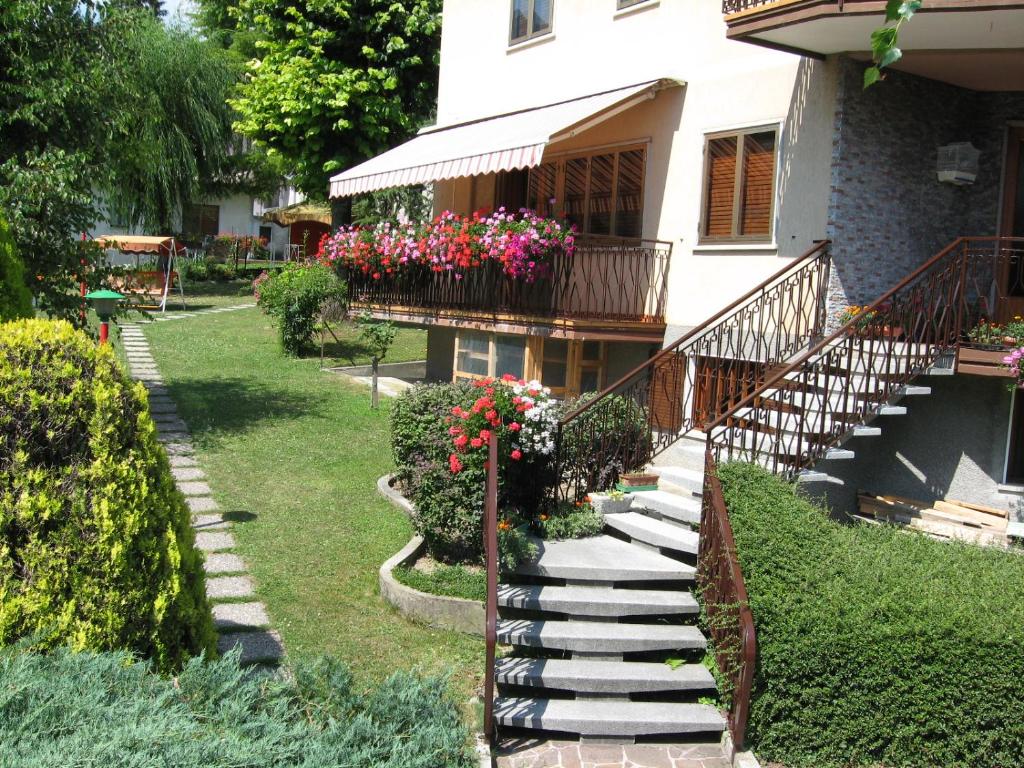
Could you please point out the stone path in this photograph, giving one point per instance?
(531, 753)
(240, 620)
(164, 316)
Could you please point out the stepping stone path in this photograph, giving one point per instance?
(240, 620)
(166, 317)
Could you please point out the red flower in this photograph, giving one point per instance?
(460, 441)
(476, 442)
(485, 434)
(491, 415)
(454, 431)
(454, 464)
(516, 454)
(509, 377)
(514, 426)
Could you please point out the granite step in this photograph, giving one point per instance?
(672, 506)
(657, 533)
(587, 676)
(601, 558)
(691, 480)
(255, 646)
(599, 636)
(596, 601)
(609, 718)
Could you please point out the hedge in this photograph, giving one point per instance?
(876, 646)
(15, 297)
(67, 709)
(96, 544)
(294, 296)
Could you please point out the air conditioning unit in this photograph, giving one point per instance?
(958, 163)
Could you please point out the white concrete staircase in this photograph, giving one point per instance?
(591, 623)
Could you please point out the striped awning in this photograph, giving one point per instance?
(140, 243)
(490, 144)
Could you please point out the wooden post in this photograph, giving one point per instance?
(374, 395)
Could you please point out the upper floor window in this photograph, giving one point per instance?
(530, 18)
(739, 186)
(620, 4)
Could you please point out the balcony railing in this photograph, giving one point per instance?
(605, 279)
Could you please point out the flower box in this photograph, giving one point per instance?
(983, 360)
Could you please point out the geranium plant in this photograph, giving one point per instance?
(524, 244)
(1014, 362)
(986, 333)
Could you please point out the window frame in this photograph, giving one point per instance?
(531, 34)
(492, 354)
(622, 5)
(740, 135)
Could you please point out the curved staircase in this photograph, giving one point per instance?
(592, 622)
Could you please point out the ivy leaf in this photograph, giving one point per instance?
(871, 76)
(889, 57)
(892, 9)
(907, 9)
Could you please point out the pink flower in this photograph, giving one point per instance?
(476, 442)
(454, 464)
(516, 454)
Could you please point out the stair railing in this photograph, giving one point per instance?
(491, 607)
(726, 608)
(795, 416)
(691, 381)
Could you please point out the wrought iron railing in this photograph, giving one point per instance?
(736, 6)
(604, 279)
(726, 608)
(806, 408)
(693, 380)
(491, 604)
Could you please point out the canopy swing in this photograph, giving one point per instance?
(154, 275)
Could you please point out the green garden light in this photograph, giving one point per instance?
(105, 304)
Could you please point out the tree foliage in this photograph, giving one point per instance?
(885, 49)
(15, 298)
(337, 81)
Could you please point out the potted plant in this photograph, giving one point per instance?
(637, 481)
(987, 336)
(611, 501)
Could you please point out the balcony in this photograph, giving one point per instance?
(610, 285)
(984, 34)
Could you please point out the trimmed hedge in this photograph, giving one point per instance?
(876, 646)
(15, 297)
(96, 544)
(67, 709)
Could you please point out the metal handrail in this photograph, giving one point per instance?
(723, 591)
(491, 551)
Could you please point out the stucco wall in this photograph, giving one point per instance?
(951, 443)
(888, 213)
(440, 353)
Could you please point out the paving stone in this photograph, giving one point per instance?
(175, 438)
(209, 522)
(139, 357)
(221, 587)
(201, 504)
(194, 488)
(169, 423)
(186, 474)
(156, 389)
(179, 449)
(181, 460)
(214, 540)
(224, 562)
(255, 646)
(236, 616)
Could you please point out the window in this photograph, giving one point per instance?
(480, 354)
(739, 186)
(601, 193)
(591, 366)
(628, 3)
(530, 18)
(201, 220)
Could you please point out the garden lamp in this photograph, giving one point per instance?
(105, 304)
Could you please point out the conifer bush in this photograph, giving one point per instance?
(876, 646)
(96, 545)
(88, 709)
(15, 297)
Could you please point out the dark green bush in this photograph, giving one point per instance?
(196, 271)
(418, 429)
(876, 646)
(96, 544)
(603, 442)
(15, 297)
(219, 272)
(82, 709)
(293, 297)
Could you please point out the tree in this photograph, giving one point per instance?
(337, 81)
(15, 298)
(885, 40)
(378, 337)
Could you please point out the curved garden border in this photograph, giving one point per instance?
(436, 610)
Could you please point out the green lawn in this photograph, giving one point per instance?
(293, 454)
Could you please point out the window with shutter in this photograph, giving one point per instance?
(739, 186)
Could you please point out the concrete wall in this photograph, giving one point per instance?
(622, 357)
(888, 213)
(440, 353)
(951, 443)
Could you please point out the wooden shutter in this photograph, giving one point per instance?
(758, 183)
(720, 187)
(542, 189)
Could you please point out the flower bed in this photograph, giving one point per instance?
(524, 244)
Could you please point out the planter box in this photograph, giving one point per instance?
(983, 362)
(604, 504)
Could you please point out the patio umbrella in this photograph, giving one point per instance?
(289, 214)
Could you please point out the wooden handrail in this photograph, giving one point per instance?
(491, 552)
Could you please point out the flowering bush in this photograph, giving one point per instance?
(230, 245)
(986, 333)
(522, 412)
(1013, 363)
(525, 245)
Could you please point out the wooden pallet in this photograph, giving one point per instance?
(944, 519)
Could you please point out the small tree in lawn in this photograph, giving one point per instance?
(378, 337)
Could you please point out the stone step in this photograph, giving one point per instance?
(255, 646)
(596, 601)
(601, 558)
(234, 617)
(767, 443)
(599, 636)
(687, 479)
(586, 676)
(657, 533)
(682, 509)
(596, 717)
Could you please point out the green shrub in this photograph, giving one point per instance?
(610, 438)
(876, 646)
(447, 580)
(220, 272)
(196, 271)
(418, 429)
(96, 543)
(101, 709)
(15, 297)
(570, 521)
(293, 297)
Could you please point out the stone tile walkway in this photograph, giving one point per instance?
(534, 753)
(240, 620)
(160, 317)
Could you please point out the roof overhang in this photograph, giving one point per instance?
(490, 144)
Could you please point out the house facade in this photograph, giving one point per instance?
(699, 149)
